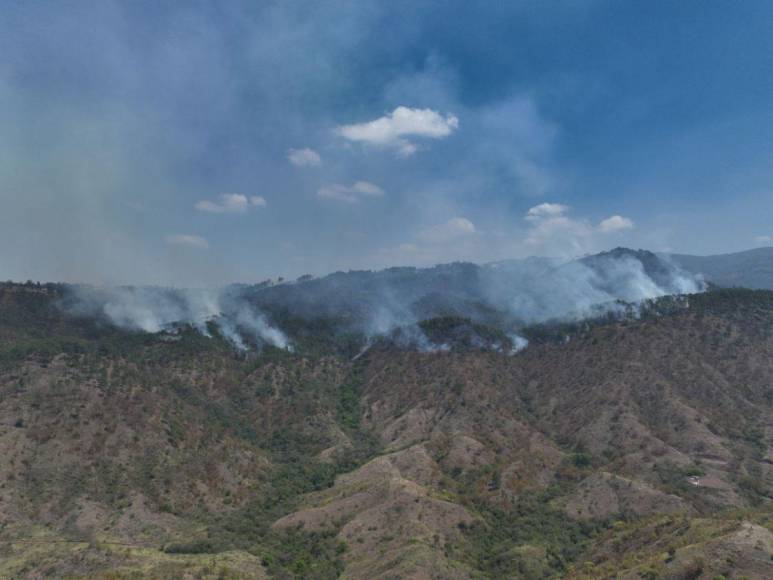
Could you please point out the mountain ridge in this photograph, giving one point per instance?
(751, 268)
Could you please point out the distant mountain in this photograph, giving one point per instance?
(749, 269)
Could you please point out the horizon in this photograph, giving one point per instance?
(177, 145)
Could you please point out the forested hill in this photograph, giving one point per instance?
(636, 447)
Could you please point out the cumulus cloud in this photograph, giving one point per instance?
(560, 234)
(231, 203)
(396, 129)
(555, 232)
(304, 157)
(457, 227)
(615, 223)
(350, 193)
(187, 240)
(546, 210)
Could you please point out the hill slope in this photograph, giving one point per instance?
(750, 269)
(621, 447)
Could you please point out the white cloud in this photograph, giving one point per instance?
(763, 239)
(560, 234)
(230, 203)
(394, 129)
(457, 227)
(615, 223)
(337, 192)
(350, 193)
(187, 240)
(304, 157)
(367, 188)
(550, 230)
(546, 210)
(554, 232)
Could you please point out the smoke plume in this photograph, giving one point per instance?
(152, 309)
(473, 306)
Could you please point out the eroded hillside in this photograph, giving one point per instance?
(637, 448)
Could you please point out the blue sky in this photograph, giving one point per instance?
(198, 143)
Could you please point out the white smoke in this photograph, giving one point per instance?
(151, 309)
(255, 323)
(534, 293)
(411, 336)
(506, 296)
(519, 342)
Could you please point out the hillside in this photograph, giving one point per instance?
(173, 455)
(750, 269)
(344, 312)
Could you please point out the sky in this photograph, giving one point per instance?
(201, 143)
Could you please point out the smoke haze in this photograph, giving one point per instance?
(393, 303)
(150, 309)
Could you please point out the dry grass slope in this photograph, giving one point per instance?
(636, 449)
